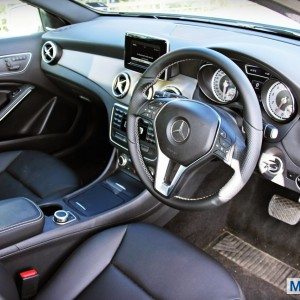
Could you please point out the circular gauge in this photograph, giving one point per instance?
(279, 101)
(223, 88)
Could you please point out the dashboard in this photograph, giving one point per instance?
(108, 62)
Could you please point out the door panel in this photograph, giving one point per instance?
(34, 113)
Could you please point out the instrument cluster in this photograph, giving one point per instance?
(275, 97)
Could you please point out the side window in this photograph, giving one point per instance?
(18, 19)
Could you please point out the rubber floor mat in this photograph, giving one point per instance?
(257, 262)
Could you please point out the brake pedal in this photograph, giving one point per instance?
(284, 210)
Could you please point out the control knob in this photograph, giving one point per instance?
(123, 160)
(61, 216)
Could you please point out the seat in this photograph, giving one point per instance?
(136, 261)
(34, 175)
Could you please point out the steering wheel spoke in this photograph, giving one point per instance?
(167, 174)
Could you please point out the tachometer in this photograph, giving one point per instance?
(223, 88)
(278, 101)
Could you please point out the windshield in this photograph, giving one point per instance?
(278, 13)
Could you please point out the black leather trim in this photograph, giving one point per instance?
(8, 289)
(34, 175)
(20, 219)
(140, 261)
(90, 260)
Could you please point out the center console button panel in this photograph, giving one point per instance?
(118, 135)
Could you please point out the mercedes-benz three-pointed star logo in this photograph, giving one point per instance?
(180, 131)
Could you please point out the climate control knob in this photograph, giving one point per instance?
(123, 160)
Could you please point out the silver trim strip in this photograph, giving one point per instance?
(10, 107)
(16, 72)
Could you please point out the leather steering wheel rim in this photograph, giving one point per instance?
(252, 126)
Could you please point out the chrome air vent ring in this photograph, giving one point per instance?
(121, 85)
(51, 53)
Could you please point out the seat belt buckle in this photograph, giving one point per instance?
(28, 283)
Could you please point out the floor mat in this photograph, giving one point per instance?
(255, 261)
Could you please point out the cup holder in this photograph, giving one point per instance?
(50, 209)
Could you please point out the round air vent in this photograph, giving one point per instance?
(172, 89)
(51, 53)
(121, 85)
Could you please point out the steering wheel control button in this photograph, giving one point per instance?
(224, 143)
(223, 134)
(180, 131)
(61, 216)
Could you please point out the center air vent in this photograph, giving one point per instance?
(121, 85)
(51, 53)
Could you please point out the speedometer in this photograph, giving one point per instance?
(279, 101)
(222, 87)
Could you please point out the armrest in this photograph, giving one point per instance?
(20, 219)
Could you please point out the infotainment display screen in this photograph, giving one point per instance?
(141, 51)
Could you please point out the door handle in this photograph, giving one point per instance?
(14, 99)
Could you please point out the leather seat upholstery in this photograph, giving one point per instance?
(140, 261)
(34, 175)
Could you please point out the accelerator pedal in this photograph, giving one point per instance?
(284, 209)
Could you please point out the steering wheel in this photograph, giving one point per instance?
(190, 133)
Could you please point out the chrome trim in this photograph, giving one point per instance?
(11, 106)
(68, 222)
(80, 205)
(268, 108)
(115, 87)
(297, 184)
(16, 72)
(110, 131)
(55, 51)
(173, 89)
(149, 93)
